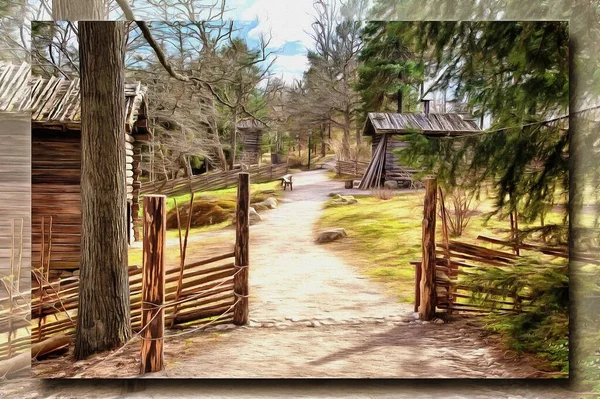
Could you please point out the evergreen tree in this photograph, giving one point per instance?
(389, 73)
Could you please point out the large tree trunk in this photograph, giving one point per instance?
(103, 321)
(75, 10)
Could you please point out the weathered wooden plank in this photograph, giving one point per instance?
(153, 291)
(428, 292)
(242, 261)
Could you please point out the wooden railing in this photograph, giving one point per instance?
(351, 168)
(438, 282)
(205, 291)
(213, 181)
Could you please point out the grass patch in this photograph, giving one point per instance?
(384, 236)
(214, 207)
(229, 194)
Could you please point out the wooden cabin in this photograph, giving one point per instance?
(56, 163)
(388, 130)
(251, 131)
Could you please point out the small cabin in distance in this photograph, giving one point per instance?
(388, 130)
(251, 131)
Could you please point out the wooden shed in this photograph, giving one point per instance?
(388, 131)
(251, 131)
(56, 160)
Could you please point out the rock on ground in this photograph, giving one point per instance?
(331, 235)
(342, 200)
(270, 203)
(254, 216)
(391, 184)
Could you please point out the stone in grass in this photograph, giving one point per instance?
(260, 207)
(270, 203)
(343, 200)
(254, 216)
(331, 235)
(391, 184)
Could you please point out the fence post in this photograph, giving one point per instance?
(428, 292)
(242, 235)
(153, 285)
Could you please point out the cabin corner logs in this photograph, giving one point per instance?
(40, 216)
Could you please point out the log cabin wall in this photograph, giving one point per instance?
(55, 185)
(15, 199)
(53, 165)
(251, 152)
(393, 167)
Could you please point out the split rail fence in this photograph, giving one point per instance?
(351, 168)
(194, 294)
(438, 283)
(214, 180)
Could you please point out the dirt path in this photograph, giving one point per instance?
(294, 277)
(313, 315)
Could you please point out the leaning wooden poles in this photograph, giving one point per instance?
(427, 292)
(242, 235)
(153, 284)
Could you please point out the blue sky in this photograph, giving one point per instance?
(286, 22)
(290, 55)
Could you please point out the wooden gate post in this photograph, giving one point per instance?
(428, 292)
(153, 286)
(242, 235)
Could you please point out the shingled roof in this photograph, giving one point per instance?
(250, 124)
(427, 124)
(56, 101)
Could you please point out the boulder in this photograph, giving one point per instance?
(260, 207)
(343, 200)
(270, 203)
(331, 235)
(391, 184)
(349, 199)
(254, 216)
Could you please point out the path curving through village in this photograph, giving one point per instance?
(314, 315)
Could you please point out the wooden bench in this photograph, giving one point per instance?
(287, 181)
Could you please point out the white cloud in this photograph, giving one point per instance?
(290, 67)
(282, 20)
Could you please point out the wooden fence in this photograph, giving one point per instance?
(438, 282)
(351, 168)
(206, 291)
(213, 181)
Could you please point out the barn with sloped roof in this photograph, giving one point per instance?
(388, 133)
